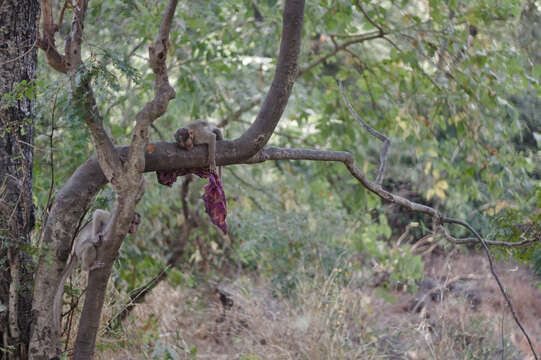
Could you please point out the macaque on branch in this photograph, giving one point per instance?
(200, 132)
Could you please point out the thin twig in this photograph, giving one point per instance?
(51, 155)
(368, 36)
(348, 36)
(234, 116)
(473, 240)
(22, 55)
(371, 131)
(162, 138)
(255, 187)
(374, 24)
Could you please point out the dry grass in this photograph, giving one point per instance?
(331, 320)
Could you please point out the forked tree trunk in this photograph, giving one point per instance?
(18, 59)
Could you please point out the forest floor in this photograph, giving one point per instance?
(458, 313)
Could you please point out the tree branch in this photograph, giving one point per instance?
(371, 131)
(508, 244)
(361, 38)
(234, 116)
(73, 51)
(163, 93)
(103, 145)
(47, 42)
(257, 135)
(82, 89)
(380, 29)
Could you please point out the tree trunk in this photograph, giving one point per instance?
(18, 59)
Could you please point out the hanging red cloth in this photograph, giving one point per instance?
(214, 196)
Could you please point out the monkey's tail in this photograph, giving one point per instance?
(57, 305)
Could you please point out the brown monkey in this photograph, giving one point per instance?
(86, 246)
(200, 132)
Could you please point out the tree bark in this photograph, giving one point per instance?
(18, 59)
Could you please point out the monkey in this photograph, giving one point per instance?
(200, 132)
(86, 246)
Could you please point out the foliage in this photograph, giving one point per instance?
(294, 246)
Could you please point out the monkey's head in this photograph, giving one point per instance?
(184, 138)
(134, 223)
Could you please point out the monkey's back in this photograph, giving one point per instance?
(198, 124)
(204, 125)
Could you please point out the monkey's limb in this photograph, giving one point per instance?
(57, 305)
(218, 132)
(219, 137)
(212, 152)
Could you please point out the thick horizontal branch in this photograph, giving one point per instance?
(277, 153)
(347, 159)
